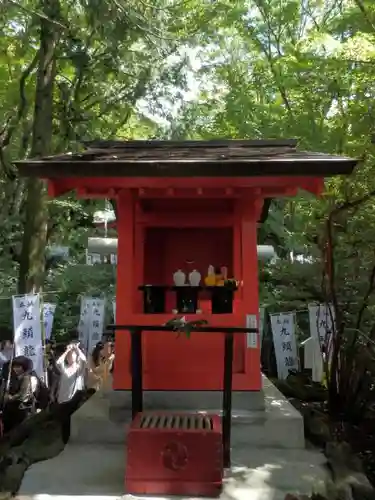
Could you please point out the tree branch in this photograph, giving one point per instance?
(340, 390)
(113, 202)
(269, 58)
(362, 8)
(36, 13)
(366, 298)
(351, 204)
(166, 7)
(9, 128)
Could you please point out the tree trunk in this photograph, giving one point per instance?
(32, 259)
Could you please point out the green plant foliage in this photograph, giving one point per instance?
(202, 69)
(112, 62)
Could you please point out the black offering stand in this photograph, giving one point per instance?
(154, 298)
(136, 370)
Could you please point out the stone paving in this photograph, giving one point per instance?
(96, 472)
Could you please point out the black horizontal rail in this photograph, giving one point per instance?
(136, 368)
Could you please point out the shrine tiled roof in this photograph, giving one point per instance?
(216, 158)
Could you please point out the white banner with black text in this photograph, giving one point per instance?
(28, 330)
(48, 315)
(284, 339)
(251, 322)
(96, 325)
(84, 322)
(322, 323)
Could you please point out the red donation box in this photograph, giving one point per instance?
(174, 454)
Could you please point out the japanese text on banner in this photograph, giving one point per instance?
(48, 315)
(322, 323)
(284, 338)
(84, 322)
(96, 322)
(28, 330)
(90, 328)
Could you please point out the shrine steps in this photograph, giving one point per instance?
(278, 425)
(189, 400)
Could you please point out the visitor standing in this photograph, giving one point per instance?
(101, 366)
(72, 365)
(19, 399)
(53, 372)
(6, 352)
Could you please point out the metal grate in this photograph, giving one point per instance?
(183, 422)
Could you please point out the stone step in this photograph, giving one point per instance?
(279, 425)
(97, 431)
(188, 400)
(272, 428)
(253, 429)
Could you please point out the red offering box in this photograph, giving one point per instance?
(174, 454)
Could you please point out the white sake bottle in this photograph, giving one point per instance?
(194, 277)
(179, 278)
(224, 272)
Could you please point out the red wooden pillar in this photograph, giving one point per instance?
(125, 294)
(139, 257)
(250, 211)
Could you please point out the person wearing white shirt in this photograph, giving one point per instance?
(3, 360)
(72, 365)
(6, 351)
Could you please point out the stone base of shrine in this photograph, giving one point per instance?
(278, 424)
(91, 423)
(189, 400)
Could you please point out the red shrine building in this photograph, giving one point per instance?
(183, 207)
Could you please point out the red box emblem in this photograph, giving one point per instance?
(174, 454)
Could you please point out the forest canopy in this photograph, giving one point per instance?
(190, 69)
